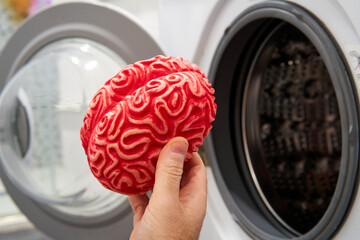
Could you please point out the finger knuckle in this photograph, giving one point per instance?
(172, 170)
(138, 209)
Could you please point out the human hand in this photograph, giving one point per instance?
(177, 206)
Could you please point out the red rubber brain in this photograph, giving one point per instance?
(137, 112)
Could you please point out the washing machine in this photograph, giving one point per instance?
(49, 71)
(284, 150)
(283, 153)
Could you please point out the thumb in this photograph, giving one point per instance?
(169, 168)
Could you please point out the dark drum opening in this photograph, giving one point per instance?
(291, 129)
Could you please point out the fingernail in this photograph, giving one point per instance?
(179, 147)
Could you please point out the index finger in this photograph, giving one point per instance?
(194, 182)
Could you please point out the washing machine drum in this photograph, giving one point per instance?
(285, 142)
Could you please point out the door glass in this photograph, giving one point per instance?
(42, 109)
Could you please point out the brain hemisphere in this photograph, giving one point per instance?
(124, 133)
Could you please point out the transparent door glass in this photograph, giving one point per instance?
(41, 109)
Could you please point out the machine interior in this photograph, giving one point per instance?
(292, 131)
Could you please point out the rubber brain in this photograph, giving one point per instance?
(137, 112)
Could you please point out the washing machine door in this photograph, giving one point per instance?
(284, 149)
(49, 71)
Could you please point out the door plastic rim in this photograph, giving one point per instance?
(102, 23)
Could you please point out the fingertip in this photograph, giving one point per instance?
(176, 144)
(138, 205)
(195, 161)
(137, 201)
(196, 156)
